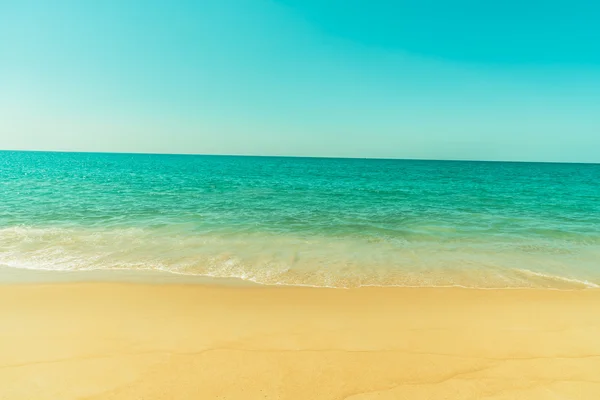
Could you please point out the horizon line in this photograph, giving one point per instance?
(296, 156)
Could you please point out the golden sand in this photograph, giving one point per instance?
(65, 341)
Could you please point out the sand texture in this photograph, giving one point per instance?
(150, 341)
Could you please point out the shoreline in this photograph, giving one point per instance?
(11, 275)
(123, 340)
(16, 276)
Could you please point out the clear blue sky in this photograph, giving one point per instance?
(502, 80)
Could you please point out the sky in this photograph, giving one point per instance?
(430, 79)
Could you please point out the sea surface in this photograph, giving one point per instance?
(304, 221)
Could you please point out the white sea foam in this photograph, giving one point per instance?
(582, 282)
(275, 259)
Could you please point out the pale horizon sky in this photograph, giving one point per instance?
(380, 79)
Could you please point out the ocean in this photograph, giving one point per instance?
(304, 221)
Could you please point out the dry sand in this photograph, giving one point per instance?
(148, 341)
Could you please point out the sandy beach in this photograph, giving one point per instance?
(111, 340)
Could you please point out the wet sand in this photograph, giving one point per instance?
(111, 340)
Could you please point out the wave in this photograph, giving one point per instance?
(275, 259)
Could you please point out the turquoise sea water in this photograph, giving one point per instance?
(304, 221)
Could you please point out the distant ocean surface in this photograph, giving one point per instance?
(304, 221)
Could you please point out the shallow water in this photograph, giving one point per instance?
(304, 221)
